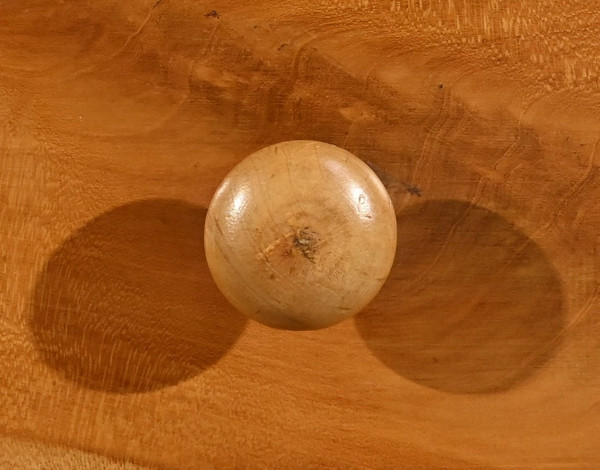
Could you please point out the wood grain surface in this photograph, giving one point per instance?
(119, 120)
(300, 235)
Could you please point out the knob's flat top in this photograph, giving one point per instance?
(300, 235)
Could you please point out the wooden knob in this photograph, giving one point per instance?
(300, 235)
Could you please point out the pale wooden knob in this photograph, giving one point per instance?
(300, 235)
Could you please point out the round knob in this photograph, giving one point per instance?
(300, 235)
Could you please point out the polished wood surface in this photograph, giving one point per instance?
(300, 235)
(119, 120)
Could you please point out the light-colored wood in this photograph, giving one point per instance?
(17, 453)
(120, 119)
(21, 453)
(300, 235)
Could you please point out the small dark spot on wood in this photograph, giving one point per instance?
(391, 183)
(213, 14)
(414, 190)
(440, 86)
(273, 276)
(282, 45)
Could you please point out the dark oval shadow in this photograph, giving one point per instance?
(472, 305)
(127, 304)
